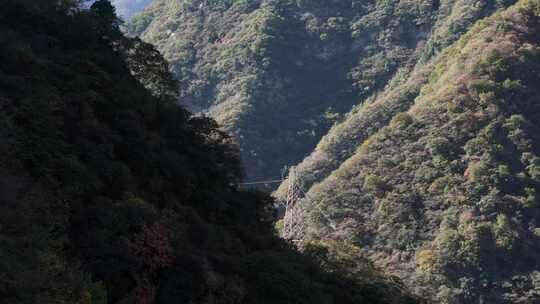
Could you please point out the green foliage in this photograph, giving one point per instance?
(373, 184)
(428, 62)
(402, 120)
(529, 6)
(425, 260)
(504, 234)
(268, 71)
(112, 193)
(104, 13)
(340, 256)
(533, 168)
(279, 227)
(435, 179)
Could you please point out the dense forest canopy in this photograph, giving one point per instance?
(412, 128)
(112, 193)
(279, 74)
(412, 125)
(453, 19)
(439, 181)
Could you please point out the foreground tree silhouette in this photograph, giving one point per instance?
(105, 14)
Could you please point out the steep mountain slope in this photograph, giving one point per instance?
(111, 193)
(453, 20)
(278, 74)
(445, 194)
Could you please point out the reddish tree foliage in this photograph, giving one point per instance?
(152, 246)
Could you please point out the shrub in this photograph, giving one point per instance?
(402, 120)
(425, 259)
(374, 185)
(504, 235)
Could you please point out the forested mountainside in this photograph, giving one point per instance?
(112, 193)
(371, 114)
(279, 74)
(437, 178)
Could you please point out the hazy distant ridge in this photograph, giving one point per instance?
(127, 8)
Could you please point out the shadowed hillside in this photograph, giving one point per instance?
(112, 193)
